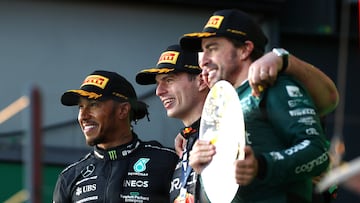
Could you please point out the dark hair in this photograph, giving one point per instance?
(255, 54)
(192, 76)
(139, 111)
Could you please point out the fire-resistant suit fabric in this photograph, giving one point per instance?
(284, 130)
(186, 185)
(135, 172)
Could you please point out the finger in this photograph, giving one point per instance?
(256, 86)
(203, 142)
(179, 151)
(243, 180)
(199, 159)
(253, 75)
(263, 75)
(255, 92)
(179, 144)
(257, 89)
(273, 73)
(254, 89)
(202, 148)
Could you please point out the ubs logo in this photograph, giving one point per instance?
(85, 189)
(86, 172)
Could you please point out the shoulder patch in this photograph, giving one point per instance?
(293, 91)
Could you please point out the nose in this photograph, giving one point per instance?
(83, 114)
(160, 89)
(203, 59)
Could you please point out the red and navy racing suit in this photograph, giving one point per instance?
(135, 172)
(184, 176)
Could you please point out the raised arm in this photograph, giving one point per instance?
(263, 73)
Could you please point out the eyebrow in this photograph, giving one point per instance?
(162, 77)
(170, 75)
(211, 44)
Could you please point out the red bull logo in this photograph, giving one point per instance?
(96, 80)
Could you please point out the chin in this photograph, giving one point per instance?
(171, 114)
(90, 143)
(94, 141)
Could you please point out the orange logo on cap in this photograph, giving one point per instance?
(214, 22)
(96, 80)
(169, 57)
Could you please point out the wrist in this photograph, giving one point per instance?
(284, 54)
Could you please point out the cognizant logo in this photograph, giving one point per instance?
(310, 165)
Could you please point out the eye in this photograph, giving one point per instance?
(94, 103)
(212, 48)
(169, 80)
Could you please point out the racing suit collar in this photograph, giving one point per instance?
(117, 152)
(187, 132)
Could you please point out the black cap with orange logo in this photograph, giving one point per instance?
(172, 60)
(103, 85)
(230, 23)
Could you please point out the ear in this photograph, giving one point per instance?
(123, 110)
(246, 50)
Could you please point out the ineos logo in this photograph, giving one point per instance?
(88, 170)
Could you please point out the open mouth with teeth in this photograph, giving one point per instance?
(89, 127)
(167, 102)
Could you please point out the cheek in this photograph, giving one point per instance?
(81, 116)
(101, 116)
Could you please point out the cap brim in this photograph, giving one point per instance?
(192, 41)
(147, 76)
(71, 97)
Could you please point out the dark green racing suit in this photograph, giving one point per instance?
(284, 130)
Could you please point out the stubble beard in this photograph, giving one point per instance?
(101, 138)
(96, 141)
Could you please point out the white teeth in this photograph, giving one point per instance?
(88, 127)
(212, 74)
(167, 101)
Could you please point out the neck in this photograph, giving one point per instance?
(119, 139)
(195, 113)
(192, 120)
(241, 77)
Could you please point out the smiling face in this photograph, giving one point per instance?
(221, 60)
(99, 121)
(180, 95)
